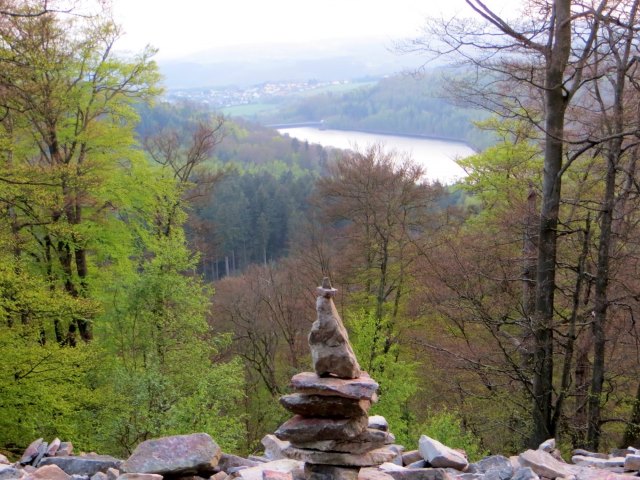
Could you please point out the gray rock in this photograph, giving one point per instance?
(8, 472)
(42, 450)
(283, 465)
(175, 455)
(331, 351)
(439, 455)
(362, 387)
(4, 460)
(302, 429)
(65, 449)
(112, 473)
(632, 462)
(100, 476)
(218, 476)
(275, 475)
(86, 465)
(374, 457)
(525, 473)
(228, 461)
(273, 447)
(79, 477)
(373, 474)
(464, 476)
(49, 472)
(588, 473)
(399, 449)
(368, 440)
(325, 405)
(544, 464)
(623, 452)
(139, 476)
(419, 464)
(378, 422)
(598, 462)
(411, 457)
(329, 472)
(548, 445)
(53, 447)
(260, 459)
(495, 467)
(31, 452)
(421, 474)
(586, 453)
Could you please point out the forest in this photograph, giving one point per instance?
(404, 104)
(158, 261)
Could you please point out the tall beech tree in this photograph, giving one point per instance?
(67, 111)
(538, 69)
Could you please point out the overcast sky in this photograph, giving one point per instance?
(189, 26)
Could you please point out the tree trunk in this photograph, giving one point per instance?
(555, 105)
(632, 432)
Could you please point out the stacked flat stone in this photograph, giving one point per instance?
(330, 431)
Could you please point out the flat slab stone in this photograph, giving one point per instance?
(329, 472)
(139, 476)
(331, 406)
(587, 453)
(373, 473)
(49, 472)
(283, 465)
(374, 457)
(228, 461)
(402, 473)
(303, 429)
(598, 462)
(544, 464)
(439, 455)
(83, 465)
(632, 462)
(31, 451)
(379, 423)
(411, 456)
(275, 475)
(368, 440)
(589, 473)
(363, 387)
(178, 454)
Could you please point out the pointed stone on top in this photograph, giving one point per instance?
(326, 290)
(331, 351)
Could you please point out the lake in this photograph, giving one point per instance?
(435, 156)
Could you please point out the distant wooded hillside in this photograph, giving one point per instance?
(402, 104)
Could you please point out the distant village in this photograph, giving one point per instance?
(220, 97)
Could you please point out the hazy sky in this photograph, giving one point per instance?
(189, 26)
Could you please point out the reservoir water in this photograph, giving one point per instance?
(437, 157)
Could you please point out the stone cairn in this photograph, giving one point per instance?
(331, 430)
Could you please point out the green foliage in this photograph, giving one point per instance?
(397, 378)
(447, 427)
(46, 390)
(92, 235)
(501, 176)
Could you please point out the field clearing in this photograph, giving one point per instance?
(249, 110)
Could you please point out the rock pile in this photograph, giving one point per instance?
(331, 430)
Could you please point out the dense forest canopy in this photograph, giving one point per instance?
(158, 261)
